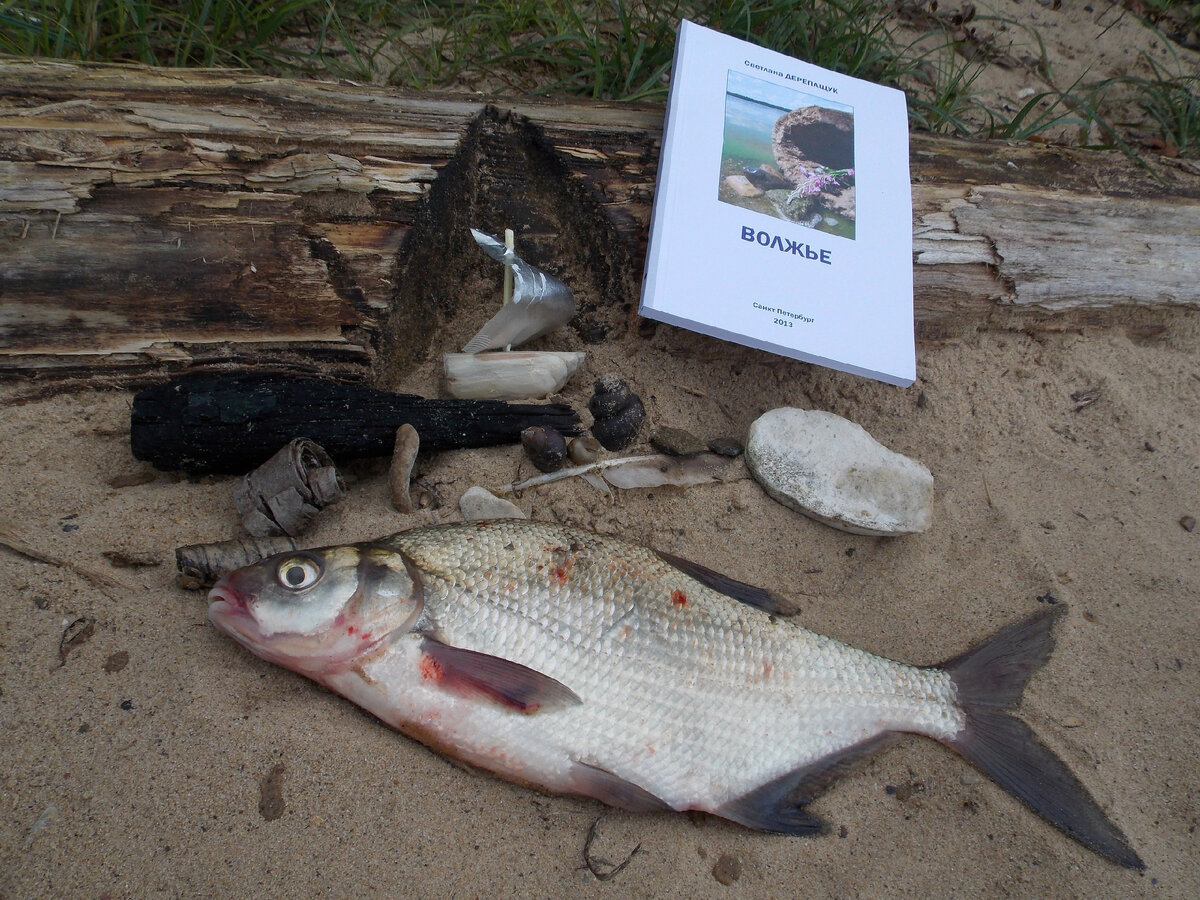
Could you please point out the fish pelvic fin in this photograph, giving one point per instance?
(778, 805)
(990, 679)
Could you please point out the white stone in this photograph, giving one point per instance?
(516, 375)
(831, 469)
(478, 503)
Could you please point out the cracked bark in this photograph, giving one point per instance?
(154, 220)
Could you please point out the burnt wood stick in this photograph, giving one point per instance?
(231, 423)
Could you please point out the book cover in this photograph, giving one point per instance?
(783, 211)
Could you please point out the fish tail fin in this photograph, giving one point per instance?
(990, 678)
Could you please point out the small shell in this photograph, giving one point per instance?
(583, 450)
(478, 503)
(619, 431)
(618, 413)
(546, 447)
(611, 396)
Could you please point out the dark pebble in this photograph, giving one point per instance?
(546, 447)
(1188, 523)
(116, 662)
(677, 442)
(726, 447)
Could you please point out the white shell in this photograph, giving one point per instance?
(831, 469)
(519, 375)
(478, 503)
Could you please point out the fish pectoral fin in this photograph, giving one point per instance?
(723, 584)
(471, 673)
(601, 784)
(778, 805)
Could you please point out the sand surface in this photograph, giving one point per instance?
(152, 756)
(157, 757)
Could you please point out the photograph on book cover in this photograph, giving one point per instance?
(788, 154)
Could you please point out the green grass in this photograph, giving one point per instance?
(603, 49)
(1173, 103)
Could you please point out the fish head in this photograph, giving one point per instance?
(316, 611)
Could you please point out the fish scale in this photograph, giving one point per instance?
(586, 664)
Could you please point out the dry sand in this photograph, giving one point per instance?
(155, 757)
(141, 763)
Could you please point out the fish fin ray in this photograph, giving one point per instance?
(723, 584)
(778, 805)
(824, 772)
(995, 671)
(601, 784)
(989, 679)
(501, 680)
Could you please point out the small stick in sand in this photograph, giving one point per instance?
(510, 241)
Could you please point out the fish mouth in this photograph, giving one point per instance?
(226, 606)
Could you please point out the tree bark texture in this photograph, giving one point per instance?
(153, 221)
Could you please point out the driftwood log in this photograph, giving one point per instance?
(214, 422)
(154, 220)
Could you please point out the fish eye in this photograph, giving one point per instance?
(297, 572)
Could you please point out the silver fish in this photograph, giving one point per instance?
(588, 665)
(540, 302)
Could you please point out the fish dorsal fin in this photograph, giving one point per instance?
(503, 681)
(778, 805)
(738, 590)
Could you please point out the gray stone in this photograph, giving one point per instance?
(478, 503)
(677, 442)
(831, 469)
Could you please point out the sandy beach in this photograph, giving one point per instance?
(153, 756)
(148, 755)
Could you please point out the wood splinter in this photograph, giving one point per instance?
(202, 565)
(284, 494)
(408, 444)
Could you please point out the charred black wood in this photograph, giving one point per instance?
(231, 423)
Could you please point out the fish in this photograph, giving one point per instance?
(589, 665)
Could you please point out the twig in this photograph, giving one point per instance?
(594, 862)
(591, 468)
(114, 587)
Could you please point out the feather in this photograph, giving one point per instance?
(651, 470)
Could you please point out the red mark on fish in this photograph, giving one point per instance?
(679, 598)
(562, 572)
(431, 669)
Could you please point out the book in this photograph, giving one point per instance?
(782, 216)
